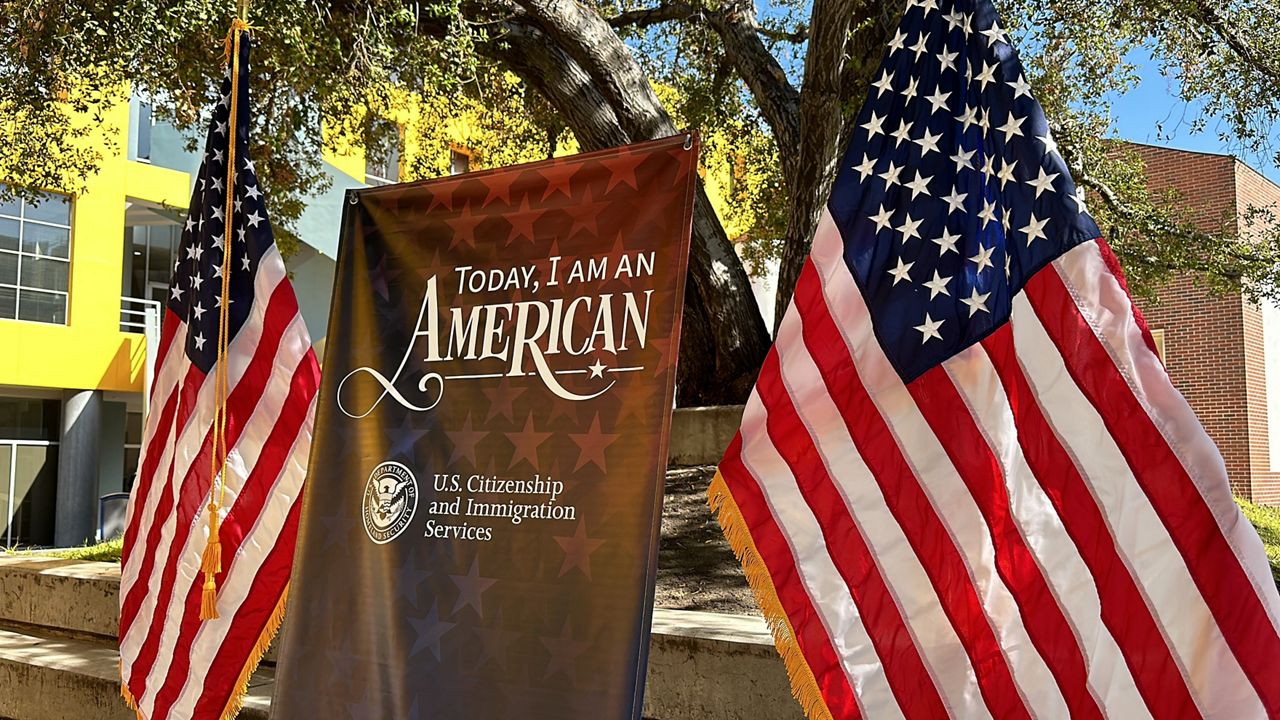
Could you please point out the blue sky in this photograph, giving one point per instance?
(1139, 114)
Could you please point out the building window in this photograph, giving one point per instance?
(28, 470)
(132, 448)
(35, 258)
(143, 131)
(1157, 336)
(459, 161)
(150, 253)
(382, 159)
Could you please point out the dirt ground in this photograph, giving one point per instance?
(696, 568)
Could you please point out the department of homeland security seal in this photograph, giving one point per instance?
(390, 499)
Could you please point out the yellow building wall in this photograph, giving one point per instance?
(90, 351)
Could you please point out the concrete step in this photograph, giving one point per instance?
(45, 675)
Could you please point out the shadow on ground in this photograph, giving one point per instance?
(696, 568)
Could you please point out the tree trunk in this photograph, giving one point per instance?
(723, 353)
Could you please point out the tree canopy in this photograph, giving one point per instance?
(779, 82)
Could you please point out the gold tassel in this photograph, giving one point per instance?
(211, 561)
(209, 599)
(804, 686)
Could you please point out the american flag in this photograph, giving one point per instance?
(964, 485)
(173, 665)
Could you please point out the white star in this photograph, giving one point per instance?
(244, 263)
(1035, 229)
(199, 338)
(930, 329)
(1006, 172)
(988, 213)
(955, 201)
(988, 166)
(198, 310)
(987, 76)
(903, 133)
(191, 223)
(995, 34)
(867, 166)
(963, 159)
(976, 302)
(984, 120)
(254, 218)
(175, 292)
(217, 213)
(928, 143)
(938, 100)
(890, 175)
(912, 89)
(921, 45)
(947, 243)
(929, 6)
(1077, 197)
(217, 155)
(197, 281)
(217, 301)
(983, 258)
(1012, 127)
(874, 126)
(969, 118)
(1043, 183)
(248, 165)
(919, 186)
(902, 272)
(955, 19)
(938, 285)
(217, 184)
(221, 128)
(947, 60)
(237, 204)
(909, 228)
(240, 233)
(217, 271)
(224, 100)
(884, 84)
(252, 192)
(898, 42)
(217, 242)
(597, 369)
(882, 219)
(1020, 87)
(1050, 145)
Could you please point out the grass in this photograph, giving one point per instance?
(108, 551)
(1266, 520)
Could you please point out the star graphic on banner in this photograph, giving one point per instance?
(592, 444)
(663, 346)
(366, 709)
(442, 196)
(465, 440)
(341, 659)
(404, 438)
(499, 185)
(429, 631)
(493, 642)
(471, 587)
(585, 215)
(564, 409)
(558, 181)
(636, 399)
(622, 169)
(408, 578)
(336, 528)
(563, 651)
(522, 221)
(500, 399)
(577, 550)
(597, 369)
(617, 251)
(526, 443)
(464, 227)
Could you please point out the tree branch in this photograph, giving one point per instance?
(1207, 14)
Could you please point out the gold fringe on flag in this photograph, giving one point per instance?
(241, 688)
(804, 686)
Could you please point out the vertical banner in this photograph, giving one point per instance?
(479, 537)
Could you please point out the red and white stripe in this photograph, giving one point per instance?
(1039, 527)
(174, 665)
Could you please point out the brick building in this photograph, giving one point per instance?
(1222, 352)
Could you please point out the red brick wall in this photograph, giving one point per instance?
(1214, 344)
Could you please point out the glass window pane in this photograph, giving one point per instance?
(43, 274)
(35, 494)
(8, 302)
(29, 419)
(8, 268)
(161, 260)
(11, 207)
(8, 234)
(51, 208)
(6, 513)
(46, 240)
(131, 456)
(133, 428)
(42, 306)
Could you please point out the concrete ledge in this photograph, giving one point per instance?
(699, 435)
(71, 595)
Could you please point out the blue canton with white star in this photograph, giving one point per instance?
(952, 193)
(195, 294)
